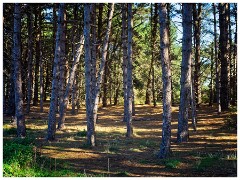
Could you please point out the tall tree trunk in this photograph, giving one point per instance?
(37, 55)
(62, 64)
(102, 63)
(57, 58)
(182, 134)
(30, 56)
(230, 89)
(235, 58)
(216, 60)
(223, 54)
(197, 34)
(21, 128)
(124, 65)
(148, 89)
(40, 61)
(64, 103)
(129, 73)
(166, 78)
(87, 46)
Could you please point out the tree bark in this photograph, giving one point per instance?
(57, 58)
(124, 65)
(182, 134)
(40, 60)
(62, 64)
(129, 73)
(64, 103)
(102, 63)
(30, 57)
(166, 78)
(197, 34)
(224, 55)
(21, 127)
(37, 56)
(216, 60)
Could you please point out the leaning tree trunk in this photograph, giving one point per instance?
(223, 55)
(102, 64)
(129, 73)
(21, 128)
(124, 66)
(182, 134)
(166, 78)
(64, 103)
(57, 58)
(30, 57)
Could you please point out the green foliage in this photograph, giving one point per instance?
(19, 161)
(206, 162)
(172, 163)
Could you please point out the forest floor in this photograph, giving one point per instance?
(210, 151)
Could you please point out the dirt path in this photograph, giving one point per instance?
(211, 151)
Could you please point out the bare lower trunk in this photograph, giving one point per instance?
(63, 105)
(216, 60)
(124, 65)
(129, 74)
(30, 57)
(21, 128)
(102, 63)
(57, 58)
(223, 55)
(182, 134)
(166, 78)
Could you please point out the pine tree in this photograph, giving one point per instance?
(166, 78)
(182, 134)
(21, 127)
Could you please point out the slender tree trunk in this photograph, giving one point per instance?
(30, 57)
(105, 84)
(197, 34)
(182, 134)
(37, 56)
(129, 73)
(166, 78)
(124, 65)
(211, 81)
(223, 55)
(102, 63)
(148, 89)
(62, 67)
(40, 60)
(57, 58)
(216, 60)
(235, 58)
(64, 103)
(21, 128)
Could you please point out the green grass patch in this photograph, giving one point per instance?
(172, 163)
(22, 159)
(206, 162)
(81, 133)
